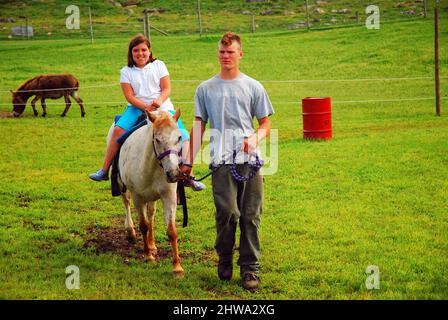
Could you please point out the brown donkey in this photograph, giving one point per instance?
(52, 86)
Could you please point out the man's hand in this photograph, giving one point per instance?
(250, 144)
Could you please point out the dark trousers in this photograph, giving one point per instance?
(238, 201)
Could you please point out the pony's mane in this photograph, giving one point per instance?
(23, 85)
(163, 120)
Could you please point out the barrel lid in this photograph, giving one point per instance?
(316, 98)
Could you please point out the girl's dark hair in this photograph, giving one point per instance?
(138, 39)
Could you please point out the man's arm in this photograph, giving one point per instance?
(264, 127)
(196, 135)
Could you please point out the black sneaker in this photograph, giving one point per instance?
(225, 270)
(251, 281)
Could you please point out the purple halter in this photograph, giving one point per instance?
(164, 153)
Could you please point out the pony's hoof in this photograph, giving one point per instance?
(131, 237)
(63, 115)
(153, 251)
(149, 258)
(178, 274)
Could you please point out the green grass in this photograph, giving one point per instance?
(374, 195)
(180, 17)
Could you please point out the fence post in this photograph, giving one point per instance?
(199, 18)
(27, 34)
(252, 27)
(307, 15)
(146, 24)
(90, 25)
(425, 8)
(436, 57)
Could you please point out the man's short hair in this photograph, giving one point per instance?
(230, 37)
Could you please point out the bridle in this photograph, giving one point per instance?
(164, 153)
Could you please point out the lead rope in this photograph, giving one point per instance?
(254, 168)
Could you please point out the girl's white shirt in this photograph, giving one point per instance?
(146, 82)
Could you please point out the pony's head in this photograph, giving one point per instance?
(166, 142)
(18, 103)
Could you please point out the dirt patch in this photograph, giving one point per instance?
(112, 239)
(6, 114)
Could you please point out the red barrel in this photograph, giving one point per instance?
(316, 113)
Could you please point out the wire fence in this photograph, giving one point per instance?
(262, 81)
(93, 88)
(264, 17)
(256, 16)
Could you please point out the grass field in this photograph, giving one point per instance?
(374, 195)
(48, 17)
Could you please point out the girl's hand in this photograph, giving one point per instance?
(150, 107)
(157, 103)
(186, 169)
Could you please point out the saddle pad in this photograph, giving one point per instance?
(115, 187)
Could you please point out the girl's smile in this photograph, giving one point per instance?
(140, 55)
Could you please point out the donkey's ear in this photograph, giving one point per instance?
(177, 114)
(151, 116)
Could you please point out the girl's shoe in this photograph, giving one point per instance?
(195, 185)
(100, 175)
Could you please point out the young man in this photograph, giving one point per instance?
(230, 101)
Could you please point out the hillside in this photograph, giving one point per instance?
(112, 17)
(375, 195)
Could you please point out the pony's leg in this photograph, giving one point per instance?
(128, 223)
(141, 208)
(68, 103)
(44, 107)
(169, 211)
(80, 102)
(33, 104)
(152, 242)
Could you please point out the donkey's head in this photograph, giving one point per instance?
(166, 142)
(18, 103)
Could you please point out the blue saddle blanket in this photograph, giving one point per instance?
(142, 121)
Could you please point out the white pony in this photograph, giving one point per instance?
(149, 168)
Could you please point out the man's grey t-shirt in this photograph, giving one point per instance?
(231, 106)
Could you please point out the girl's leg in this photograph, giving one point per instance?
(112, 148)
(126, 121)
(185, 149)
